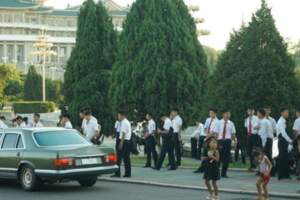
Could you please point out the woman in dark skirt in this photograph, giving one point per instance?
(212, 171)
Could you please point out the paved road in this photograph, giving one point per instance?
(106, 190)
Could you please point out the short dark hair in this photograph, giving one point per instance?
(175, 109)
(19, 118)
(66, 115)
(149, 113)
(283, 109)
(2, 118)
(162, 115)
(214, 110)
(37, 115)
(122, 112)
(262, 111)
(225, 111)
(87, 112)
(257, 152)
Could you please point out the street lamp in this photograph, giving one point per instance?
(43, 47)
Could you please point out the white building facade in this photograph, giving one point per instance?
(21, 22)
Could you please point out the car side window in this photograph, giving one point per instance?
(10, 141)
(20, 144)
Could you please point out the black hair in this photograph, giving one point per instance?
(37, 115)
(283, 109)
(214, 110)
(122, 112)
(162, 115)
(66, 115)
(2, 118)
(87, 112)
(262, 111)
(225, 111)
(19, 118)
(150, 114)
(25, 119)
(257, 152)
(175, 109)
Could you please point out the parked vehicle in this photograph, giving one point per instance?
(49, 155)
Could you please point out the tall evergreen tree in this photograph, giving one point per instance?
(255, 70)
(87, 77)
(33, 85)
(161, 63)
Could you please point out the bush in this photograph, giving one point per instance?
(34, 107)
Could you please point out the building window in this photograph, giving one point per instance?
(8, 18)
(11, 53)
(18, 18)
(20, 53)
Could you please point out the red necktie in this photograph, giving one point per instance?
(224, 130)
(208, 131)
(250, 126)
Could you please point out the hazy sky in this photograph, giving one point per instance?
(222, 16)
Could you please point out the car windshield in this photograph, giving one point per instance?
(59, 138)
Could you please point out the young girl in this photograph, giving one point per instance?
(265, 167)
(212, 172)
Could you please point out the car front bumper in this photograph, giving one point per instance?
(75, 174)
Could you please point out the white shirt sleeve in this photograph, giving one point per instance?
(281, 131)
(217, 127)
(296, 126)
(68, 125)
(233, 129)
(3, 125)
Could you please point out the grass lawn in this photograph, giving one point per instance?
(186, 162)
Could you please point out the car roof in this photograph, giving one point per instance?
(43, 129)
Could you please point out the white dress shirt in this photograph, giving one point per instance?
(68, 125)
(264, 130)
(90, 128)
(3, 125)
(229, 130)
(167, 124)
(273, 123)
(125, 129)
(151, 127)
(22, 125)
(199, 131)
(210, 124)
(37, 124)
(296, 126)
(253, 121)
(117, 126)
(281, 129)
(177, 124)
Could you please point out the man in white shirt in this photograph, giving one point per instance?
(283, 144)
(20, 122)
(150, 142)
(253, 139)
(177, 126)
(36, 123)
(271, 119)
(66, 121)
(225, 131)
(2, 124)
(124, 146)
(90, 127)
(296, 126)
(197, 140)
(117, 133)
(210, 124)
(168, 145)
(265, 131)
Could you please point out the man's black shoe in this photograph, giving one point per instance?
(127, 176)
(225, 176)
(172, 169)
(156, 168)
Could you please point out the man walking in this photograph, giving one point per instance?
(253, 139)
(265, 131)
(177, 126)
(283, 145)
(90, 126)
(197, 140)
(167, 146)
(150, 143)
(123, 153)
(225, 130)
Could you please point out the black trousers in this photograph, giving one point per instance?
(194, 147)
(167, 147)
(237, 153)
(117, 141)
(150, 149)
(253, 141)
(283, 159)
(225, 147)
(269, 149)
(177, 148)
(124, 155)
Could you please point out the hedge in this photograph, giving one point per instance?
(33, 107)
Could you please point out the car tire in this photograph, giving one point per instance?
(87, 182)
(28, 179)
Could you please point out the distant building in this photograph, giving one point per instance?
(21, 21)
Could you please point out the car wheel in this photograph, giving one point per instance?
(28, 179)
(87, 182)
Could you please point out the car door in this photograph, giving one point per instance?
(10, 154)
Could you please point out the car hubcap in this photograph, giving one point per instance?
(27, 177)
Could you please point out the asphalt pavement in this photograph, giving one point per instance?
(108, 191)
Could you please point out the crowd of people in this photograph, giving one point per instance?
(211, 142)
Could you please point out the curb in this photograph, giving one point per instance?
(233, 191)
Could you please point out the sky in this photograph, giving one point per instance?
(223, 16)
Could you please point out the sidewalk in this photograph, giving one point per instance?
(239, 182)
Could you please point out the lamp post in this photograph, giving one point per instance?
(43, 47)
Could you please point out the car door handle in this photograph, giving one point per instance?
(18, 154)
